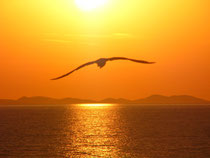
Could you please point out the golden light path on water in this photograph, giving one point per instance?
(96, 105)
(94, 129)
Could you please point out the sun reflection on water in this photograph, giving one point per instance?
(93, 131)
(96, 105)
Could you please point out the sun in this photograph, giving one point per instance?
(88, 5)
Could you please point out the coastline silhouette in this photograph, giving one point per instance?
(153, 99)
(101, 63)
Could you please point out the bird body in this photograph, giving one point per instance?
(102, 62)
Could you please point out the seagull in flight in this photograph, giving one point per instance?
(101, 63)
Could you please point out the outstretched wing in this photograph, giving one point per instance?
(134, 60)
(86, 64)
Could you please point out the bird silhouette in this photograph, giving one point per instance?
(101, 63)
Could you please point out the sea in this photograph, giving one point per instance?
(105, 130)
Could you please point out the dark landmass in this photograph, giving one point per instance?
(42, 100)
(177, 99)
(154, 99)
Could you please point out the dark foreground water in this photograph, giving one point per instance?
(105, 131)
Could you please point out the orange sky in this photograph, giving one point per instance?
(42, 39)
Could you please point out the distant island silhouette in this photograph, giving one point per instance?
(154, 99)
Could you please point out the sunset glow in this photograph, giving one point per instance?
(42, 39)
(105, 78)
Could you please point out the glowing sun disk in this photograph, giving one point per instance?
(88, 5)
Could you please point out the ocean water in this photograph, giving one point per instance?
(135, 131)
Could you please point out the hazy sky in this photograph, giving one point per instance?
(42, 39)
